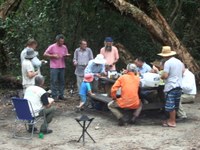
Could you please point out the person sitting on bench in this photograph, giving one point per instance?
(129, 99)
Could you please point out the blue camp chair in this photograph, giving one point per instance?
(23, 115)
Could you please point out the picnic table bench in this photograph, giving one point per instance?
(106, 100)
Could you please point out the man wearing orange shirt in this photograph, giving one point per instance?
(110, 53)
(129, 84)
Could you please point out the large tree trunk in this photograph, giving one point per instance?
(5, 9)
(125, 55)
(8, 6)
(157, 26)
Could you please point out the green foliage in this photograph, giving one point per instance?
(92, 20)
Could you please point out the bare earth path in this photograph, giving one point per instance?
(147, 134)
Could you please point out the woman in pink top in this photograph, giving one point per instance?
(110, 53)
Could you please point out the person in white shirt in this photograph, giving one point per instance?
(35, 61)
(189, 90)
(41, 104)
(28, 71)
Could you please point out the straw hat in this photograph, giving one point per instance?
(166, 52)
(88, 77)
(99, 59)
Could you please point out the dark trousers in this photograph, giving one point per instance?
(57, 82)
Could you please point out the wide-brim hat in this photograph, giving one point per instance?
(166, 52)
(99, 59)
(88, 77)
(30, 53)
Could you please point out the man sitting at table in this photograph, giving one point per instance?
(96, 67)
(129, 84)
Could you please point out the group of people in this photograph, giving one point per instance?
(179, 86)
(88, 70)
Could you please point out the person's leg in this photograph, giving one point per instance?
(79, 81)
(48, 113)
(181, 113)
(172, 104)
(95, 84)
(113, 107)
(54, 82)
(83, 100)
(137, 112)
(61, 81)
(186, 98)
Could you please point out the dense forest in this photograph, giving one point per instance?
(93, 20)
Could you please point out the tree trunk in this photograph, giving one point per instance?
(8, 6)
(157, 26)
(125, 55)
(5, 9)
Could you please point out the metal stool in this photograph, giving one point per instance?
(84, 126)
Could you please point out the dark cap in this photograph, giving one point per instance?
(108, 39)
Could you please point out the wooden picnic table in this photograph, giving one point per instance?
(153, 105)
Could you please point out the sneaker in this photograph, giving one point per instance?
(46, 131)
(121, 122)
(62, 98)
(30, 129)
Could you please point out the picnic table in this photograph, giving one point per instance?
(146, 106)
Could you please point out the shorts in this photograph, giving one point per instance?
(172, 99)
(83, 98)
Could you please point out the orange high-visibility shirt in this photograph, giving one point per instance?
(129, 84)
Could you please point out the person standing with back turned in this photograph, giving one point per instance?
(172, 74)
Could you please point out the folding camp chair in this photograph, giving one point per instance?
(23, 115)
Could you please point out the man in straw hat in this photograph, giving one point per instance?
(129, 99)
(172, 74)
(96, 67)
(28, 71)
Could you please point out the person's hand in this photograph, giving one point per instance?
(124, 71)
(154, 69)
(56, 56)
(68, 54)
(51, 100)
(98, 75)
(92, 94)
(75, 63)
(44, 61)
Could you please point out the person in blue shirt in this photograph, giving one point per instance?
(142, 66)
(85, 89)
(96, 67)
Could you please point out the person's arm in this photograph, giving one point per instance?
(90, 54)
(88, 69)
(89, 89)
(115, 87)
(66, 51)
(165, 73)
(48, 53)
(75, 59)
(30, 70)
(32, 74)
(116, 56)
(46, 101)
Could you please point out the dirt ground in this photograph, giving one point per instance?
(146, 134)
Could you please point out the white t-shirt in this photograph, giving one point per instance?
(188, 83)
(174, 68)
(33, 94)
(26, 67)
